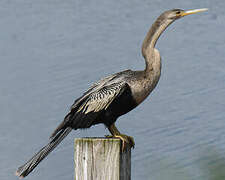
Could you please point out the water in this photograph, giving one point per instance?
(52, 51)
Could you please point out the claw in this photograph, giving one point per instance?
(131, 140)
(126, 140)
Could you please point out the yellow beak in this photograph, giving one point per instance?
(185, 13)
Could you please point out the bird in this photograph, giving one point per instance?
(114, 95)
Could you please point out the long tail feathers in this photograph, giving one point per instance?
(61, 125)
(38, 157)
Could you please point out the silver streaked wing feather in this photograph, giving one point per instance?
(101, 99)
(107, 81)
(114, 78)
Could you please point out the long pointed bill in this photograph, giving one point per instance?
(185, 13)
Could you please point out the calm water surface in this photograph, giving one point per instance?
(52, 51)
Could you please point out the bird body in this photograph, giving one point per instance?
(112, 96)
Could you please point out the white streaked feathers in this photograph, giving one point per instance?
(101, 99)
(101, 86)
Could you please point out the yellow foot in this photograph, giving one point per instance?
(126, 140)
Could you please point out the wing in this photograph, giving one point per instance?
(107, 81)
(97, 102)
(101, 99)
(87, 108)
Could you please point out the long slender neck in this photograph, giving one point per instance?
(151, 38)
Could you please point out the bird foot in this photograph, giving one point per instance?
(126, 140)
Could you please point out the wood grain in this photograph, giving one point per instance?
(101, 159)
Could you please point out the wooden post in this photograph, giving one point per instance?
(101, 159)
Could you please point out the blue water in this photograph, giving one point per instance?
(52, 51)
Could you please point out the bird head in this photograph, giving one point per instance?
(161, 23)
(178, 13)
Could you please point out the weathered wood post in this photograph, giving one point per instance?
(101, 159)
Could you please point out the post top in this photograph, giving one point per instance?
(86, 139)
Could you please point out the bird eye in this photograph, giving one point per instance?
(178, 12)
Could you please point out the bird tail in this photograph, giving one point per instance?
(25, 169)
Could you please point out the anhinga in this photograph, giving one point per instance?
(114, 95)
